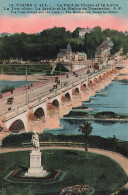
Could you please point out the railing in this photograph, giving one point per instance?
(42, 144)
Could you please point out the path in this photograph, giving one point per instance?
(120, 159)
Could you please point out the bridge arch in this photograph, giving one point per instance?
(67, 95)
(39, 113)
(17, 126)
(84, 85)
(55, 103)
(77, 90)
(103, 75)
(99, 77)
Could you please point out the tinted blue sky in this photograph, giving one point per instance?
(122, 3)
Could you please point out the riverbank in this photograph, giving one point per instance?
(37, 77)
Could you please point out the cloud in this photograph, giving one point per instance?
(38, 22)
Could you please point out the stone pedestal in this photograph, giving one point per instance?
(36, 169)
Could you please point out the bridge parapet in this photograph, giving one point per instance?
(54, 95)
(15, 112)
(76, 83)
(55, 98)
(66, 89)
(37, 104)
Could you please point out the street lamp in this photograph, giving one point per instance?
(26, 84)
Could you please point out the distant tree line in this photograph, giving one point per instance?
(46, 45)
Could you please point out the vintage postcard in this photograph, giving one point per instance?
(63, 97)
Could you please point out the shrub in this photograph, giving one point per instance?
(16, 140)
(76, 113)
(7, 88)
(105, 114)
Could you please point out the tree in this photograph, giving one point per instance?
(92, 40)
(7, 88)
(75, 33)
(86, 130)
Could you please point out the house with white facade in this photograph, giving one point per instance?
(83, 31)
(126, 33)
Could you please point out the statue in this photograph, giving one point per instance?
(35, 169)
(35, 141)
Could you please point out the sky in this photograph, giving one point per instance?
(16, 16)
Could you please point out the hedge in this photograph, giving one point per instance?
(113, 144)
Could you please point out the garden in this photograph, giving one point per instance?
(95, 171)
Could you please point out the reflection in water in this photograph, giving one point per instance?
(105, 122)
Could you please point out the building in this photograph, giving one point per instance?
(65, 55)
(83, 31)
(118, 57)
(102, 54)
(71, 60)
(5, 34)
(78, 56)
(126, 33)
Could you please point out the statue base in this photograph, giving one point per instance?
(36, 169)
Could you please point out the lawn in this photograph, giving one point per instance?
(100, 172)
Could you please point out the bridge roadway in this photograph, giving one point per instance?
(29, 96)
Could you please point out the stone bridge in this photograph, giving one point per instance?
(16, 120)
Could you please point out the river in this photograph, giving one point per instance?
(113, 97)
(15, 84)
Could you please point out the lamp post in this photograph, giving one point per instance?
(92, 61)
(60, 75)
(26, 83)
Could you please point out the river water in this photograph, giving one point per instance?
(113, 97)
(15, 84)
